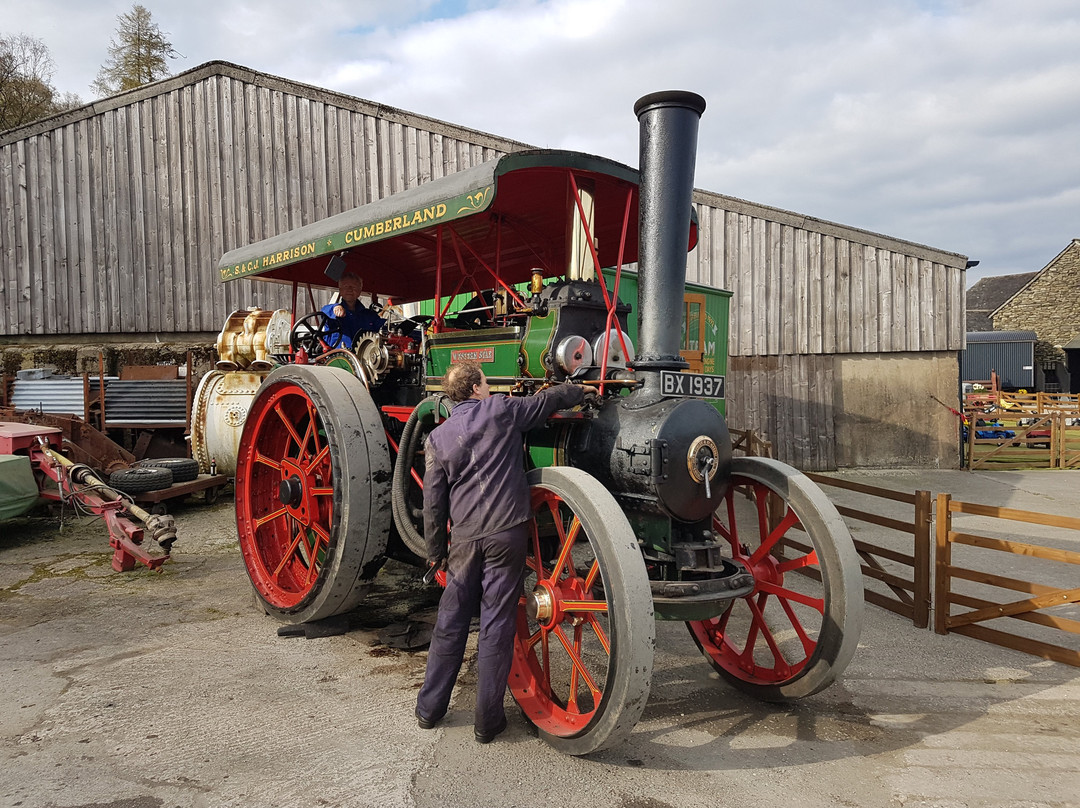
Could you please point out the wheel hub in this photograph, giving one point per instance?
(540, 604)
(295, 490)
(544, 603)
(766, 568)
(291, 491)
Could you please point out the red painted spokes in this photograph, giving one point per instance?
(286, 505)
(769, 636)
(562, 651)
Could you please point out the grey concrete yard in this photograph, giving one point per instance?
(138, 690)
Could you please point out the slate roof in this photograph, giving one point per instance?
(987, 294)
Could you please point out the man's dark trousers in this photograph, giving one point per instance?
(484, 574)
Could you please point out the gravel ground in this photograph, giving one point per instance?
(140, 690)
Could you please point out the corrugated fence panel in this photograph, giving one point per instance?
(805, 286)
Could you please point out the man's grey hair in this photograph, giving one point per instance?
(461, 378)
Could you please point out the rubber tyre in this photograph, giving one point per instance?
(408, 495)
(606, 588)
(312, 555)
(815, 619)
(139, 480)
(184, 469)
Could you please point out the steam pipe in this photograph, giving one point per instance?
(668, 131)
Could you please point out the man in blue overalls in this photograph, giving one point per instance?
(475, 477)
(352, 316)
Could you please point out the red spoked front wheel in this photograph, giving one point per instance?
(312, 492)
(583, 651)
(797, 631)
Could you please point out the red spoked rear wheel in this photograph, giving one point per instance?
(312, 491)
(796, 632)
(583, 651)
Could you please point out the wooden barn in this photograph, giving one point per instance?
(114, 216)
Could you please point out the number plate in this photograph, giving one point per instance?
(698, 385)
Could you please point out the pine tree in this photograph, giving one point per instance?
(137, 55)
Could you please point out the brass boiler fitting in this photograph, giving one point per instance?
(243, 341)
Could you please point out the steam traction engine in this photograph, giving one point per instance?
(641, 512)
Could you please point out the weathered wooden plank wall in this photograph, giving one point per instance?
(114, 221)
(788, 399)
(803, 291)
(114, 218)
(803, 286)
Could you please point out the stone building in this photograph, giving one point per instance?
(987, 294)
(1049, 305)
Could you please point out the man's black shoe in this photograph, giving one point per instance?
(426, 723)
(488, 737)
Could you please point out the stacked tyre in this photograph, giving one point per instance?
(184, 469)
(154, 474)
(138, 480)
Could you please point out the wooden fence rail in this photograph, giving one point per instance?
(997, 401)
(910, 595)
(1012, 440)
(750, 443)
(1030, 610)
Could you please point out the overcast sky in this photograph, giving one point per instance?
(951, 123)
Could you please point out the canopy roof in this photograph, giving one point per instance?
(511, 214)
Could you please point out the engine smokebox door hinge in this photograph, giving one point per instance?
(641, 456)
(658, 455)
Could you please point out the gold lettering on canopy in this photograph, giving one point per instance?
(420, 217)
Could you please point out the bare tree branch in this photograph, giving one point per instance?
(26, 91)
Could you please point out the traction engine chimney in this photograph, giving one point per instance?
(668, 124)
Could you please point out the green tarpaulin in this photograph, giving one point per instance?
(18, 491)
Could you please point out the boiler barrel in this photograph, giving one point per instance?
(218, 412)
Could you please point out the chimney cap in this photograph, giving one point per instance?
(670, 98)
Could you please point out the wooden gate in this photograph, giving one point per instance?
(1032, 609)
(1069, 445)
(1021, 440)
(905, 573)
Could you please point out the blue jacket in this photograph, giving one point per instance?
(359, 319)
(475, 465)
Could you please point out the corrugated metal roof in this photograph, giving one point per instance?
(1002, 336)
(161, 402)
(60, 395)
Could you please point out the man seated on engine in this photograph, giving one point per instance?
(350, 315)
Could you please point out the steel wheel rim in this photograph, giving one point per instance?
(781, 620)
(286, 539)
(562, 662)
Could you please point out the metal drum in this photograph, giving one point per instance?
(218, 412)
